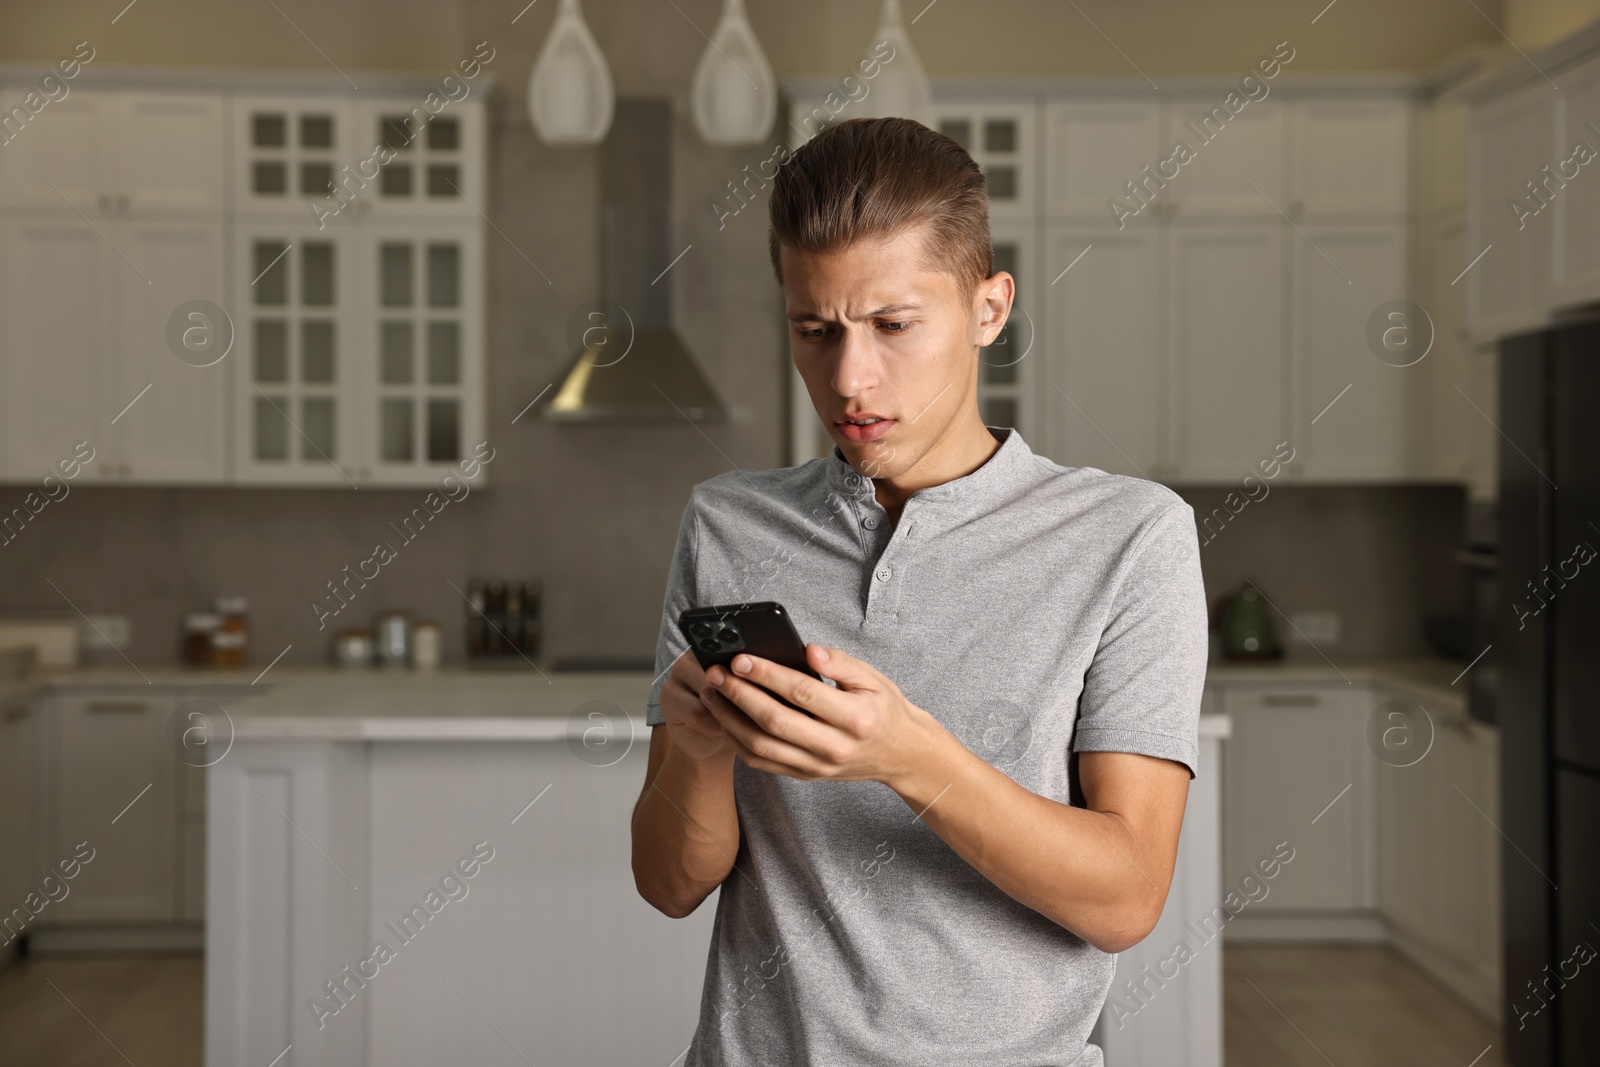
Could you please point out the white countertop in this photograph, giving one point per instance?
(1439, 680)
(488, 704)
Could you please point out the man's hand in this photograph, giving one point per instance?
(1101, 871)
(695, 731)
(864, 729)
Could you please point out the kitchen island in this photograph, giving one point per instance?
(417, 869)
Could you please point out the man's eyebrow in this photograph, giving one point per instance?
(876, 313)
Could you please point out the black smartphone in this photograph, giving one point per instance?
(717, 634)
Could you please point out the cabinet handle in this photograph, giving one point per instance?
(16, 714)
(1290, 700)
(117, 707)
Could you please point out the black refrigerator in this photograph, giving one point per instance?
(1547, 641)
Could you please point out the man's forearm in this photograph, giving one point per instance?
(685, 831)
(1083, 869)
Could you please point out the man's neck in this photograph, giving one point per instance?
(956, 455)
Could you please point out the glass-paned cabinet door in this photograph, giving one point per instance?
(294, 290)
(1006, 368)
(421, 392)
(296, 154)
(435, 156)
(1001, 138)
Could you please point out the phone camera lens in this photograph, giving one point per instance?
(708, 645)
(700, 629)
(728, 635)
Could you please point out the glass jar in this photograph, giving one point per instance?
(393, 630)
(197, 631)
(227, 648)
(426, 646)
(235, 612)
(353, 648)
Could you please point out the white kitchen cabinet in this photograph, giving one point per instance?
(1439, 855)
(420, 309)
(1103, 397)
(1577, 205)
(1511, 139)
(120, 190)
(175, 431)
(1298, 771)
(20, 869)
(1352, 156)
(289, 151)
(319, 157)
(111, 783)
(364, 351)
(57, 391)
(1241, 170)
(1001, 136)
(1225, 306)
(295, 298)
(111, 152)
(90, 361)
(1352, 408)
(1448, 366)
(1093, 149)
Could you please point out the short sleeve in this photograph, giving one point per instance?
(1143, 689)
(670, 644)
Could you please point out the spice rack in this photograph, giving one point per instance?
(503, 620)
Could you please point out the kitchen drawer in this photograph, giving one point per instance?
(1322, 697)
(1298, 771)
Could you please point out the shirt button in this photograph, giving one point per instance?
(884, 574)
(870, 522)
(853, 481)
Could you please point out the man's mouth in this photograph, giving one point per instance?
(864, 427)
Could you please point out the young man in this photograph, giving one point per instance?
(939, 866)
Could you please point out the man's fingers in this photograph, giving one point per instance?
(799, 689)
(841, 667)
(753, 741)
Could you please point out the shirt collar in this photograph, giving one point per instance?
(998, 473)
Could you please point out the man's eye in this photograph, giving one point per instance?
(896, 326)
(811, 333)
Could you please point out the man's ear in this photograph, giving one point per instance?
(992, 302)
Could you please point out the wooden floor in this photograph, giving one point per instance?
(1284, 1007)
(104, 1011)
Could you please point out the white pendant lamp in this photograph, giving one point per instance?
(734, 97)
(901, 88)
(570, 93)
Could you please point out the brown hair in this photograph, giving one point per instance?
(872, 178)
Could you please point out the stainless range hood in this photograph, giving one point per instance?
(634, 367)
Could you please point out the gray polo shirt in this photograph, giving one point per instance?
(1035, 610)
